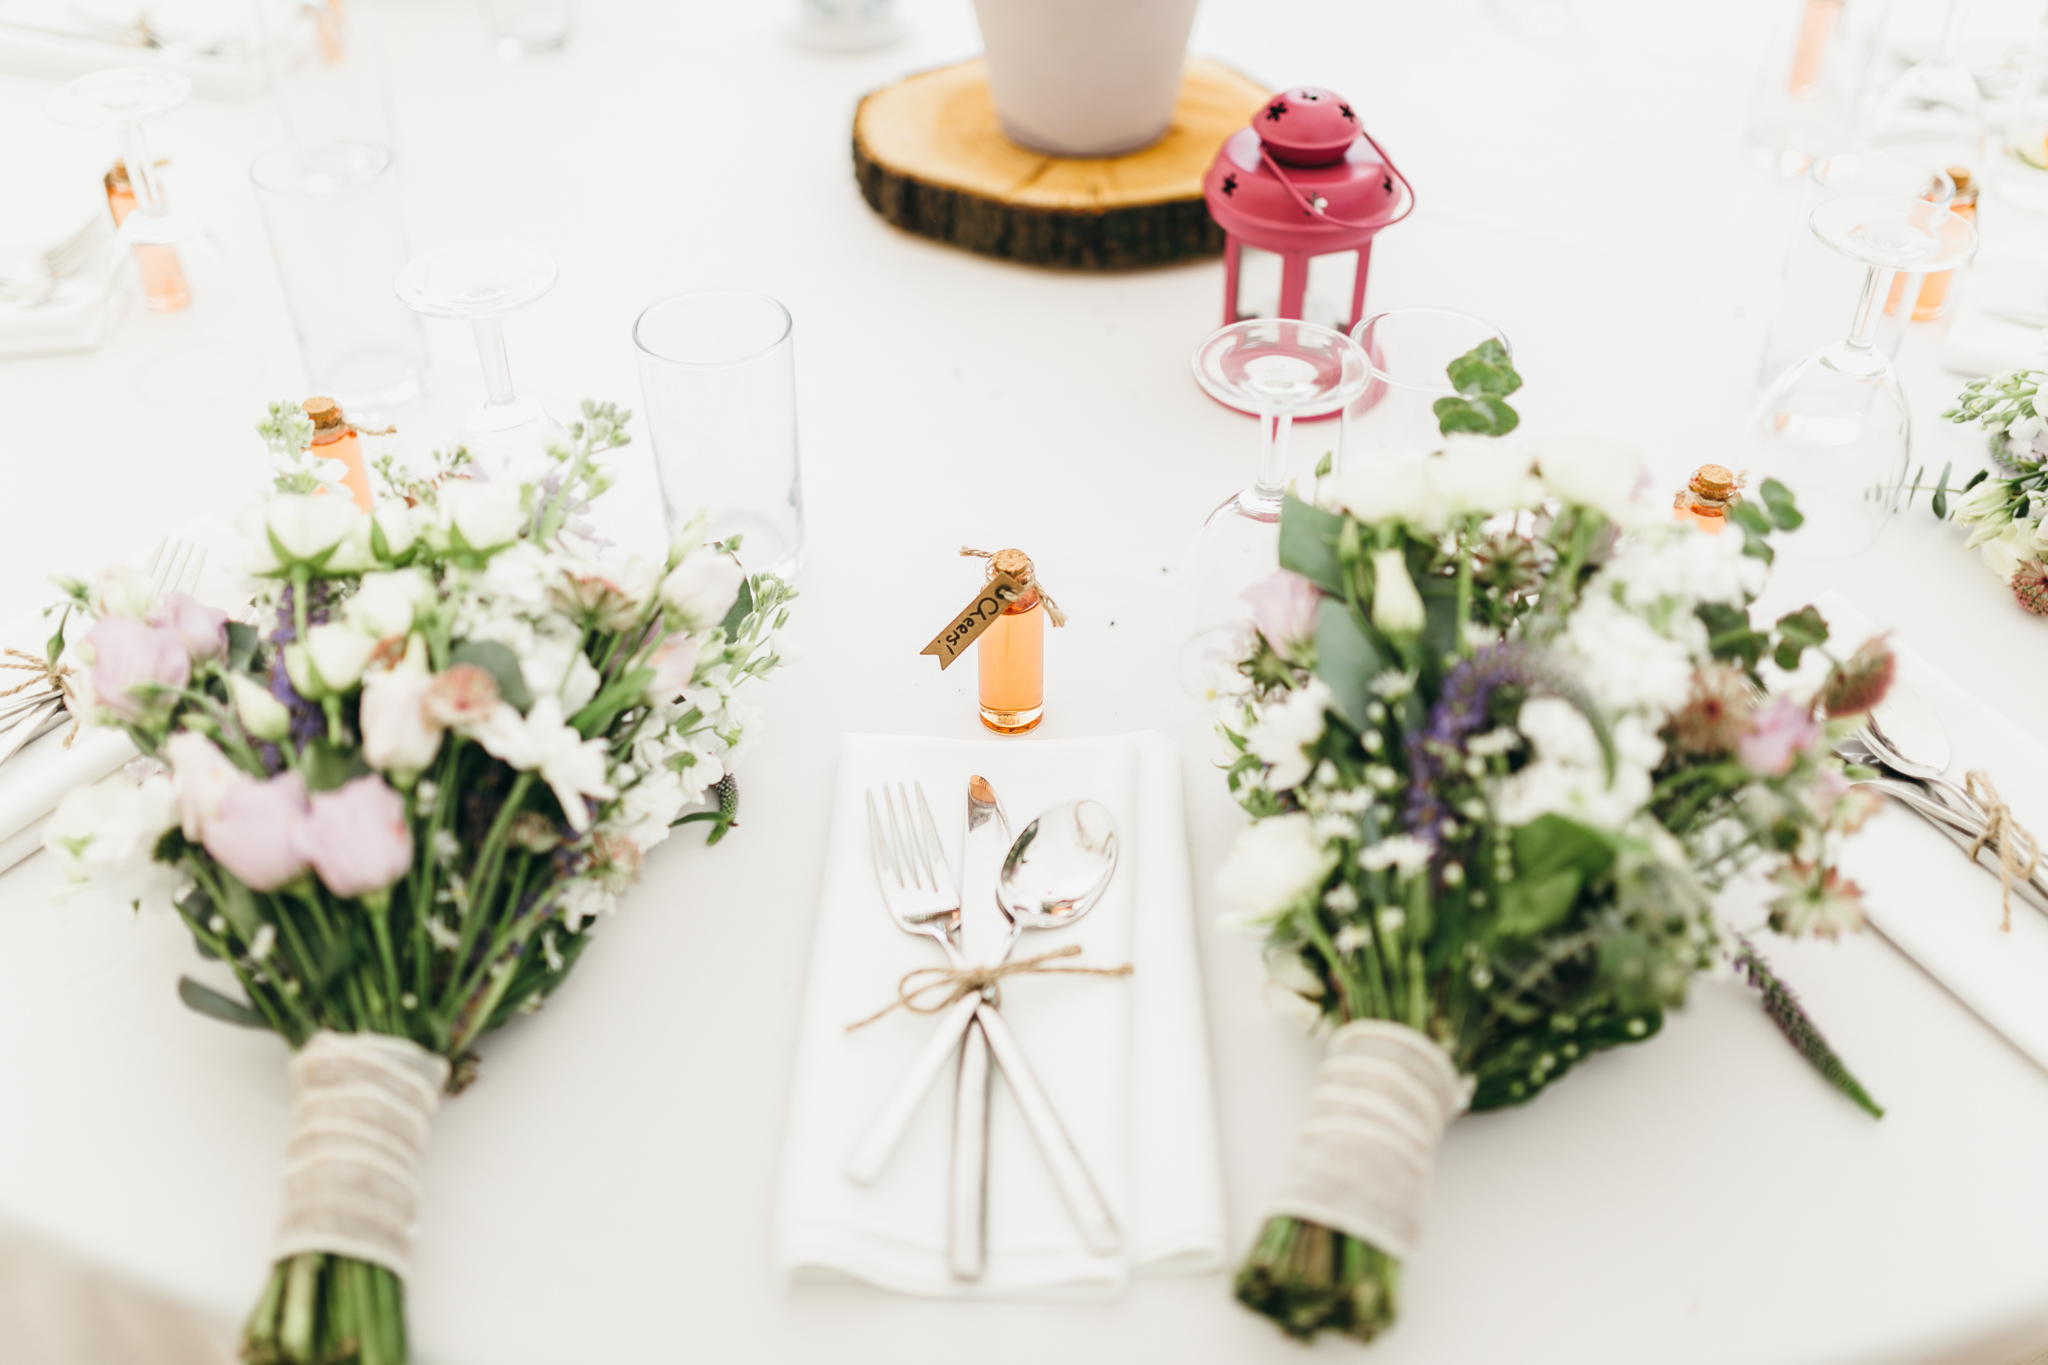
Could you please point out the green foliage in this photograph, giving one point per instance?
(1799, 1029)
(206, 1000)
(1799, 631)
(1348, 658)
(502, 664)
(1308, 544)
(1483, 377)
(1554, 859)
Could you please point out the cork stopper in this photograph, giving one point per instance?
(1713, 481)
(325, 412)
(1966, 185)
(1015, 563)
(117, 176)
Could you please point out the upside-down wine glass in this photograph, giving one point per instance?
(1836, 427)
(1276, 369)
(479, 282)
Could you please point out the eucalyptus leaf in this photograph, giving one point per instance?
(206, 1000)
(1778, 502)
(1308, 544)
(1485, 369)
(502, 664)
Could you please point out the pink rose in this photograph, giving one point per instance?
(204, 630)
(1284, 609)
(1777, 734)
(255, 831)
(674, 661)
(357, 837)
(128, 654)
(201, 775)
(461, 695)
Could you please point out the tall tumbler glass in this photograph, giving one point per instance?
(1409, 351)
(332, 212)
(718, 385)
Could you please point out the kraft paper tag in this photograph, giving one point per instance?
(966, 627)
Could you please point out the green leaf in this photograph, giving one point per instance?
(1798, 631)
(1552, 842)
(1308, 544)
(502, 664)
(1484, 415)
(242, 642)
(1346, 659)
(1485, 369)
(1941, 493)
(1749, 518)
(1528, 906)
(741, 605)
(326, 765)
(206, 1000)
(1784, 513)
(1730, 636)
(622, 692)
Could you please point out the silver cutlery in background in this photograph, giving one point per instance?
(916, 885)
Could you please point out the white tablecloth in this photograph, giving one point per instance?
(606, 1191)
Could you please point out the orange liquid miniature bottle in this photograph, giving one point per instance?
(1934, 292)
(335, 439)
(163, 276)
(1013, 653)
(1816, 26)
(1706, 499)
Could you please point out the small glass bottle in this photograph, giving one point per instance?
(1706, 498)
(1816, 27)
(163, 276)
(335, 439)
(1934, 292)
(1013, 653)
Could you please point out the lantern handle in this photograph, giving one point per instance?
(1313, 207)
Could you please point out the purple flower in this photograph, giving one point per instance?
(1284, 609)
(255, 831)
(357, 837)
(1777, 735)
(128, 654)
(204, 630)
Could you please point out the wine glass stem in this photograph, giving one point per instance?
(1869, 307)
(149, 195)
(1274, 431)
(1952, 30)
(490, 349)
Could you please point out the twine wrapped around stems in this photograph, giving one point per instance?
(2019, 852)
(958, 983)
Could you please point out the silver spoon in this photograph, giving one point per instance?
(1905, 735)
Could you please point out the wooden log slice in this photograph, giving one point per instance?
(931, 158)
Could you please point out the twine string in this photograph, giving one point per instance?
(42, 671)
(1052, 608)
(2019, 852)
(936, 989)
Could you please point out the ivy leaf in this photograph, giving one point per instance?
(1784, 513)
(1798, 631)
(206, 1000)
(501, 663)
(1308, 544)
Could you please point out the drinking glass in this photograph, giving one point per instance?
(1816, 279)
(844, 25)
(1278, 370)
(333, 219)
(521, 28)
(718, 385)
(1836, 428)
(1407, 352)
(478, 283)
(1934, 112)
(1802, 106)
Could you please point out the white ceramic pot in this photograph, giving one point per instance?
(1085, 77)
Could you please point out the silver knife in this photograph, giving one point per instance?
(983, 932)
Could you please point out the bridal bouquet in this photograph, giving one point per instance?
(1502, 729)
(2004, 513)
(396, 804)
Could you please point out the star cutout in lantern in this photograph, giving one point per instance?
(1229, 185)
(1275, 110)
(1345, 110)
(1387, 183)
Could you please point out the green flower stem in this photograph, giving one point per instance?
(488, 863)
(1464, 646)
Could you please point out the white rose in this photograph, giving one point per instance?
(2005, 552)
(485, 515)
(1596, 472)
(395, 522)
(1401, 488)
(200, 776)
(398, 735)
(387, 602)
(701, 590)
(1481, 475)
(1286, 728)
(306, 527)
(331, 661)
(1274, 864)
(107, 834)
(1396, 605)
(122, 591)
(262, 715)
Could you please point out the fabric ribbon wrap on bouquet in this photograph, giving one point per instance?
(1382, 1100)
(362, 1104)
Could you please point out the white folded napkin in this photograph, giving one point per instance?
(34, 780)
(1919, 890)
(1124, 1059)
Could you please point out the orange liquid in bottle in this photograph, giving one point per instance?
(1816, 26)
(346, 448)
(1013, 667)
(1933, 300)
(163, 276)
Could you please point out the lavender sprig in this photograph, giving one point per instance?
(1792, 1020)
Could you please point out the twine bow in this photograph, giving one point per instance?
(41, 671)
(2005, 834)
(958, 983)
(1052, 608)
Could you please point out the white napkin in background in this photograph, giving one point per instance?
(34, 780)
(1919, 890)
(58, 1309)
(1125, 1060)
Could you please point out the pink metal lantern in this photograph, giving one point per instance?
(1305, 183)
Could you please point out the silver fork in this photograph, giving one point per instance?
(919, 892)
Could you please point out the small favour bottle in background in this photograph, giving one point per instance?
(1706, 498)
(1934, 291)
(335, 439)
(163, 277)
